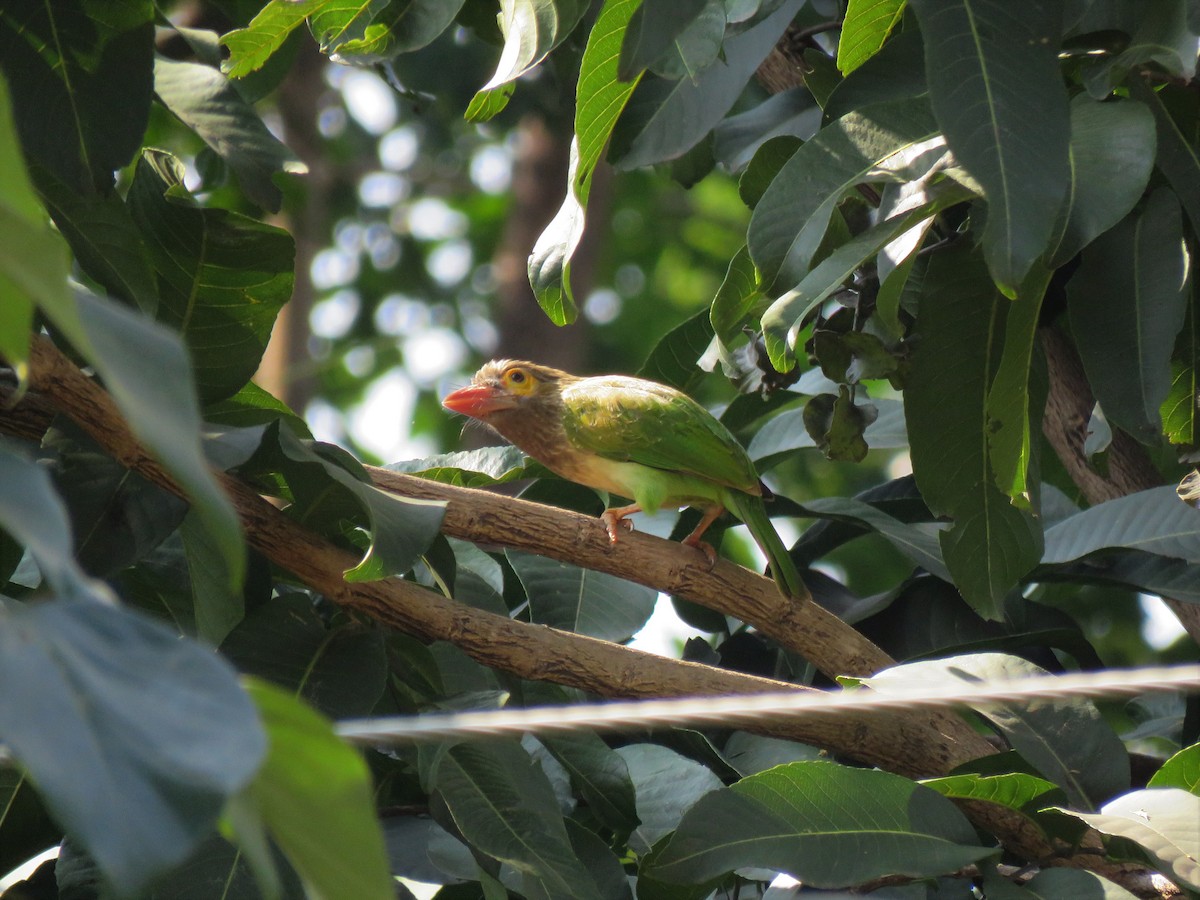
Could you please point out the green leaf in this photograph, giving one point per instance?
(336, 22)
(581, 600)
(32, 512)
(785, 433)
(917, 543)
(992, 544)
(531, 29)
(764, 166)
(1112, 156)
(1180, 771)
(667, 784)
(791, 217)
(783, 319)
(599, 98)
(696, 47)
(788, 114)
(673, 360)
(600, 776)
(1154, 521)
(737, 296)
(1126, 304)
(1018, 791)
(836, 425)
(1009, 425)
(1067, 741)
(504, 806)
(251, 47)
(333, 493)
(1178, 155)
(34, 263)
(135, 768)
(1053, 883)
(80, 75)
(403, 26)
(653, 28)
(750, 753)
(222, 277)
(314, 794)
(208, 103)
(827, 825)
(1163, 821)
(999, 97)
(473, 468)
(1143, 572)
(339, 667)
(866, 26)
(104, 240)
(665, 118)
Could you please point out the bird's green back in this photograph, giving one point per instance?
(630, 419)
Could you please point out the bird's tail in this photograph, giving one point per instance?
(753, 512)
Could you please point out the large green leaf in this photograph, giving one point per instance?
(999, 97)
(961, 320)
(403, 26)
(136, 768)
(827, 825)
(667, 784)
(866, 26)
(208, 103)
(599, 98)
(1163, 821)
(581, 600)
(665, 118)
(339, 667)
(896, 72)
(81, 77)
(531, 28)
(653, 28)
(252, 46)
(313, 793)
(1178, 153)
(33, 261)
(222, 277)
(673, 359)
(473, 468)
(1126, 305)
(504, 806)
(1143, 572)
(791, 217)
(1067, 741)
(1153, 521)
(1112, 156)
(600, 775)
(107, 245)
(784, 318)
(1018, 791)
(920, 544)
(696, 47)
(33, 513)
(1180, 771)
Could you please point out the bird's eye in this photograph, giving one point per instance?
(516, 376)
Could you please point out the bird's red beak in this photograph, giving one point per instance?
(477, 401)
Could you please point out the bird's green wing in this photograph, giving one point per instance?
(639, 421)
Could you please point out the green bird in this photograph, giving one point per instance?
(633, 438)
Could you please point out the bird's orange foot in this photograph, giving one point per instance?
(704, 547)
(613, 521)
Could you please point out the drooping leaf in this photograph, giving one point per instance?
(791, 217)
(786, 433)
(339, 667)
(866, 26)
(581, 600)
(135, 768)
(81, 76)
(313, 793)
(251, 47)
(400, 28)
(599, 98)
(504, 806)
(961, 321)
(1127, 302)
(1112, 156)
(823, 823)
(600, 776)
(667, 784)
(999, 97)
(207, 102)
(1154, 521)
(1067, 741)
(654, 25)
(673, 359)
(531, 29)
(222, 277)
(1161, 820)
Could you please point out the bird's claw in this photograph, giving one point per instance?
(707, 549)
(613, 522)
